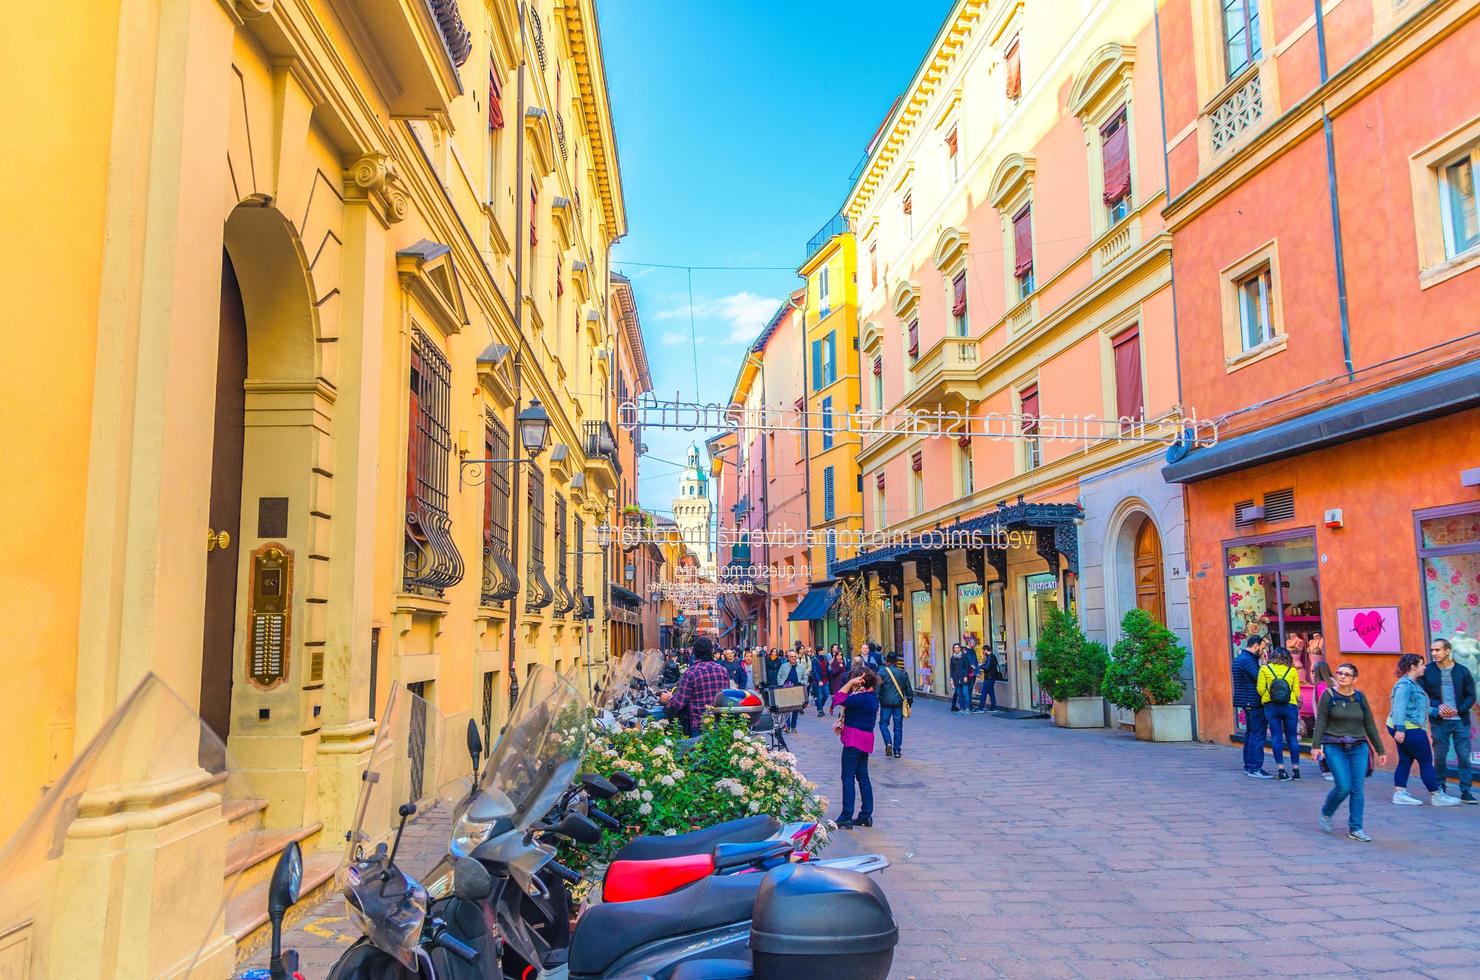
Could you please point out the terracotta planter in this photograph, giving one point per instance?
(1164, 723)
(1080, 713)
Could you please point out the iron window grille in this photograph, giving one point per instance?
(432, 561)
(500, 580)
(580, 538)
(565, 602)
(539, 594)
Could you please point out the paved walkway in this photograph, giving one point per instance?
(1023, 850)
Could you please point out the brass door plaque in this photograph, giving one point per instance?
(272, 591)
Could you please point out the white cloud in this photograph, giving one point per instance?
(746, 313)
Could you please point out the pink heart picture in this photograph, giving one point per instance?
(1369, 627)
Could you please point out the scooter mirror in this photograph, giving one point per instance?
(598, 787)
(287, 878)
(471, 882)
(623, 781)
(475, 743)
(579, 828)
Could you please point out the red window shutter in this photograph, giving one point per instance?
(534, 203)
(873, 263)
(495, 101)
(1128, 397)
(1022, 242)
(909, 203)
(559, 283)
(878, 366)
(1117, 159)
(958, 304)
(917, 461)
(879, 481)
(951, 142)
(1030, 409)
(914, 337)
(1014, 71)
(963, 440)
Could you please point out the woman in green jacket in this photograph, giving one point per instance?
(1346, 734)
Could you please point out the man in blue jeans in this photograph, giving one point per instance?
(1451, 691)
(1246, 698)
(894, 693)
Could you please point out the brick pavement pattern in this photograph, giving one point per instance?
(1027, 851)
(1024, 850)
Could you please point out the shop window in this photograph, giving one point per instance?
(1449, 554)
(1241, 44)
(925, 672)
(1273, 590)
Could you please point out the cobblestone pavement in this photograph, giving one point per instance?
(1023, 850)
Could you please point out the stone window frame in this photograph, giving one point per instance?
(1236, 358)
(1435, 265)
(1103, 89)
(1012, 189)
(1214, 87)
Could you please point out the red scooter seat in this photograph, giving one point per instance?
(627, 881)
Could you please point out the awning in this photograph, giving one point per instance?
(1058, 518)
(625, 597)
(1440, 393)
(814, 605)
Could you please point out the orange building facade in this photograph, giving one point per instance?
(1322, 210)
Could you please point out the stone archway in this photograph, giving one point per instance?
(1135, 577)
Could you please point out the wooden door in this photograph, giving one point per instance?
(1150, 589)
(219, 631)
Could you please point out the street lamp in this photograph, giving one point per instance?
(534, 435)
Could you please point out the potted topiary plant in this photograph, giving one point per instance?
(1071, 669)
(1145, 676)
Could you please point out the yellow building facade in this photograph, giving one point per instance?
(830, 445)
(300, 265)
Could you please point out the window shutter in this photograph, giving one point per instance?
(1022, 242)
(909, 203)
(878, 366)
(917, 461)
(879, 480)
(1030, 409)
(914, 337)
(559, 282)
(827, 493)
(832, 358)
(413, 435)
(534, 204)
(495, 101)
(873, 263)
(1117, 158)
(1128, 397)
(816, 365)
(1014, 70)
(951, 142)
(958, 304)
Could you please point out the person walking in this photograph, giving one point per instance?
(1410, 710)
(1246, 699)
(896, 697)
(837, 672)
(1451, 690)
(873, 659)
(772, 666)
(804, 672)
(957, 667)
(991, 668)
(859, 700)
(820, 692)
(790, 675)
(1320, 674)
(1346, 737)
(1279, 693)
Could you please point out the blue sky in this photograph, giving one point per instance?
(739, 124)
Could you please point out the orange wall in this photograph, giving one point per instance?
(1373, 559)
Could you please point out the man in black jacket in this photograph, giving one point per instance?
(990, 671)
(1451, 691)
(895, 692)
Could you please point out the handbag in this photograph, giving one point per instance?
(904, 702)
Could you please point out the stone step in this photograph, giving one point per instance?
(243, 817)
(250, 857)
(246, 912)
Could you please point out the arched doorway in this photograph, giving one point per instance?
(218, 632)
(1150, 586)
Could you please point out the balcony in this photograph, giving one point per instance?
(418, 47)
(500, 581)
(539, 593)
(602, 462)
(835, 226)
(945, 375)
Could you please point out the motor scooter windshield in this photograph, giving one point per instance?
(539, 752)
(650, 667)
(618, 679)
(122, 868)
(411, 767)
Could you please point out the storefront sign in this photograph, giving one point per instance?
(1368, 629)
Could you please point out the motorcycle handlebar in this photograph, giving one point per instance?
(605, 819)
(566, 874)
(456, 947)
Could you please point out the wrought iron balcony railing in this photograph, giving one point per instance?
(500, 581)
(539, 593)
(432, 560)
(601, 443)
(835, 226)
(565, 600)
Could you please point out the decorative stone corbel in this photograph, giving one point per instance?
(242, 11)
(373, 178)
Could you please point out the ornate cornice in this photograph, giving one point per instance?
(373, 178)
(584, 37)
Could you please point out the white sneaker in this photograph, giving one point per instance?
(1440, 798)
(1403, 798)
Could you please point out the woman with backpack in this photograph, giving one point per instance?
(1345, 739)
(1279, 692)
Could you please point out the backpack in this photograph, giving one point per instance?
(1279, 687)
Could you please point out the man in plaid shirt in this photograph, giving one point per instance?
(697, 687)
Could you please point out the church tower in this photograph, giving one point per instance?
(692, 512)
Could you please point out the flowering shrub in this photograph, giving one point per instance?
(726, 774)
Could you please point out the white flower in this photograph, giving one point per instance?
(677, 774)
(737, 790)
(670, 832)
(737, 734)
(647, 795)
(645, 809)
(666, 780)
(755, 805)
(747, 764)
